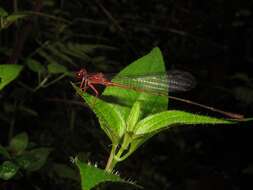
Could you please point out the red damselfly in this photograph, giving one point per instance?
(157, 84)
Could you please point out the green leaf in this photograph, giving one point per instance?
(14, 17)
(8, 72)
(163, 120)
(110, 119)
(3, 13)
(35, 66)
(133, 117)
(148, 64)
(59, 54)
(91, 176)
(4, 152)
(19, 143)
(47, 57)
(8, 170)
(75, 50)
(6, 20)
(35, 159)
(90, 48)
(56, 68)
(49, 3)
(156, 123)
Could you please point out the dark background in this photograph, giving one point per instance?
(210, 39)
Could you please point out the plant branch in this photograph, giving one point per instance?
(54, 81)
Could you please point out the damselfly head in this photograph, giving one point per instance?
(81, 74)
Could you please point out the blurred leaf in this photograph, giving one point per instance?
(25, 160)
(7, 20)
(91, 176)
(98, 59)
(49, 3)
(56, 68)
(3, 13)
(8, 170)
(90, 48)
(8, 72)
(35, 66)
(73, 50)
(59, 54)
(241, 76)
(4, 152)
(14, 17)
(244, 94)
(36, 158)
(47, 57)
(18, 143)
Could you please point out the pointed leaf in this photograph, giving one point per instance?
(8, 72)
(133, 117)
(56, 68)
(90, 48)
(47, 57)
(148, 64)
(153, 124)
(163, 120)
(59, 54)
(35, 66)
(76, 50)
(110, 119)
(91, 176)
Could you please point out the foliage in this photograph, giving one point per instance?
(91, 176)
(8, 73)
(19, 157)
(142, 116)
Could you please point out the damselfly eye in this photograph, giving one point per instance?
(80, 74)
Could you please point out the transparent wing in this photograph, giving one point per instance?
(159, 83)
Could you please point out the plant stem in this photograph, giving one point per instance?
(55, 80)
(124, 146)
(41, 84)
(111, 162)
(114, 157)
